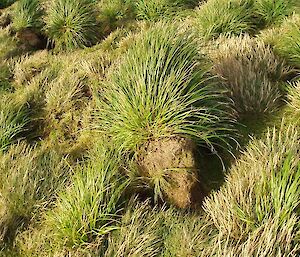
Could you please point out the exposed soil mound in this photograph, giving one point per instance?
(173, 159)
(30, 39)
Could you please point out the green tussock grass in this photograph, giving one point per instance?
(147, 98)
(30, 178)
(271, 12)
(153, 10)
(27, 14)
(223, 17)
(154, 231)
(90, 206)
(70, 23)
(14, 117)
(287, 44)
(5, 77)
(8, 45)
(114, 14)
(151, 128)
(256, 211)
(294, 96)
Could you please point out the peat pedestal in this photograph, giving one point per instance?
(174, 160)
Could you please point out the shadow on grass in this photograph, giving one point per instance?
(213, 168)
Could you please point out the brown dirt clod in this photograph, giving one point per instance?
(176, 157)
(31, 39)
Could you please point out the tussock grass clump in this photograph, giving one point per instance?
(294, 96)
(287, 44)
(270, 11)
(27, 14)
(216, 17)
(66, 108)
(114, 14)
(256, 212)
(185, 233)
(251, 72)
(70, 23)
(162, 88)
(58, 89)
(30, 178)
(153, 10)
(293, 100)
(89, 207)
(14, 117)
(5, 76)
(27, 67)
(8, 45)
(140, 232)
(154, 231)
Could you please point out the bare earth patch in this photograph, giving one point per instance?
(175, 159)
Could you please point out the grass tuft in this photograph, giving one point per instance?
(257, 210)
(30, 178)
(252, 73)
(154, 10)
(13, 120)
(294, 96)
(162, 88)
(270, 11)
(287, 44)
(27, 14)
(90, 206)
(114, 14)
(223, 17)
(153, 231)
(71, 23)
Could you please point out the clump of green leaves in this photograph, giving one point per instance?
(216, 17)
(13, 120)
(257, 210)
(89, 207)
(71, 23)
(270, 11)
(162, 88)
(29, 180)
(27, 14)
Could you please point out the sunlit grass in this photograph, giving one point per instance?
(253, 74)
(271, 11)
(163, 88)
(256, 211)
(287, 45)
(27, 14)
(90, 206)
(222, 17)
(70, 23)
(14, 117)
(30, 178)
